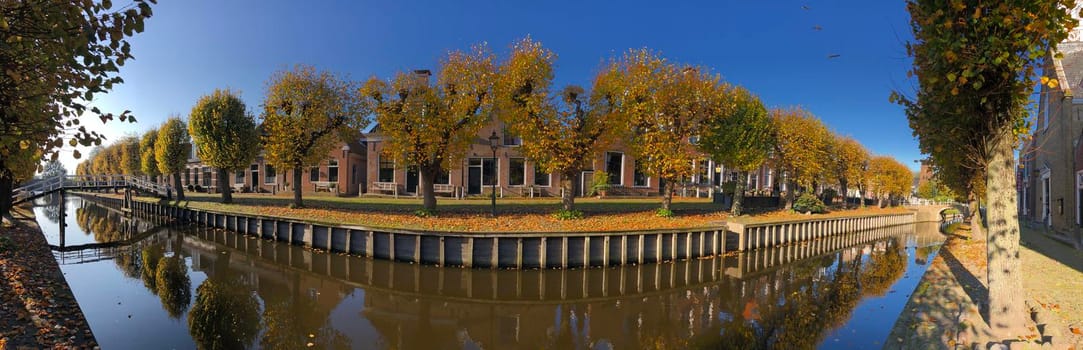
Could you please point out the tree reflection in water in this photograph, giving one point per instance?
(151, 254)
(801, 307)
(225, 315)
(174, 287)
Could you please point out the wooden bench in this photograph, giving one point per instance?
(530, 191)
(327, 186)
(386, 187)
(447, 189)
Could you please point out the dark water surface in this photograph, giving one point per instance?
(162, 286)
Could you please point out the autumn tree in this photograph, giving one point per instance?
(665, 105)
(975, 75)
(224, 134)
(171, 151)
(802, 150)
(148, 164)
(741, 138)
(431, 125)
(130, 156)
(889, 179)
(560, 130)
(306, 112)
(850, 162)
(55, 59)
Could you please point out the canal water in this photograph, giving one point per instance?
(150, 284)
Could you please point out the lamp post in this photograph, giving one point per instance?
(493, 139)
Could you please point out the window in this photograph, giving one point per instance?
(703, 169)
(510, 139)
(387, 170)
(239, 177)
(195, 176)
(254, 168)
(516, 171)
(614, 165)
(488, 170)
(541, 178)
(188, 176)
(206, 177)
(314, 174)
(332, 170)
(639, 177)
(443, 178)
(269, 174)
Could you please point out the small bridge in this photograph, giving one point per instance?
(87, 182)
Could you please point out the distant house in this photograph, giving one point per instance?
(342, 173)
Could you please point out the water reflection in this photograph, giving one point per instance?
(256, 293)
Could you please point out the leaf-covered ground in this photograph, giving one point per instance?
(472, 215)
(944, 310)
(37, 309)
(513, 215)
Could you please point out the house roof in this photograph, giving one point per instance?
(1069, 68)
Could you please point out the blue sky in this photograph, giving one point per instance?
(189, 48)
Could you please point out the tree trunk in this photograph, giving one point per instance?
(426, 176)
(879, 201)
(667, 195)
(177, 186)
(973, 215)
(842, 191)
(567, 199)
(224, 185)
(297, 203)
(7, 185)
(791, 187)
(738, 195)
(861, 197)
(1007, 311)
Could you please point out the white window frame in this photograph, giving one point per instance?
(242, 173)
(269, 180)
(329, 170)
(379, 162)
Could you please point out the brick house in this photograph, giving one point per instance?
(342, 173)
(1051, 163)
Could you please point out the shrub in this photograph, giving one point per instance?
(568, 214)
(600, 182)
(808, 203)
(663, 213)
(729, 187)
(424, 213)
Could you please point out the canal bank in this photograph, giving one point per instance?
(37, 307)
(522, 250)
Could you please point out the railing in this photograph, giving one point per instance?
(51, 184)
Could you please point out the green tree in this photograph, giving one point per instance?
(850, 162)
(975, 75)
(55, 59)
(665, 104)
(224, 134)
(148, 164)
(560, 131)
(741, 137)
(432, 126)
(802, 148)
(171, 151)
(306, 112)
(53, 168)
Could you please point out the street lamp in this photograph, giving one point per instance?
(493, 139)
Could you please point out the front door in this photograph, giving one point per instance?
(411, 180)
(473, 180)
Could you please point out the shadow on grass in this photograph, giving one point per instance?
(973, 286)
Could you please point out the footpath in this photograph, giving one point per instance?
(37, 308)
(943, 311)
